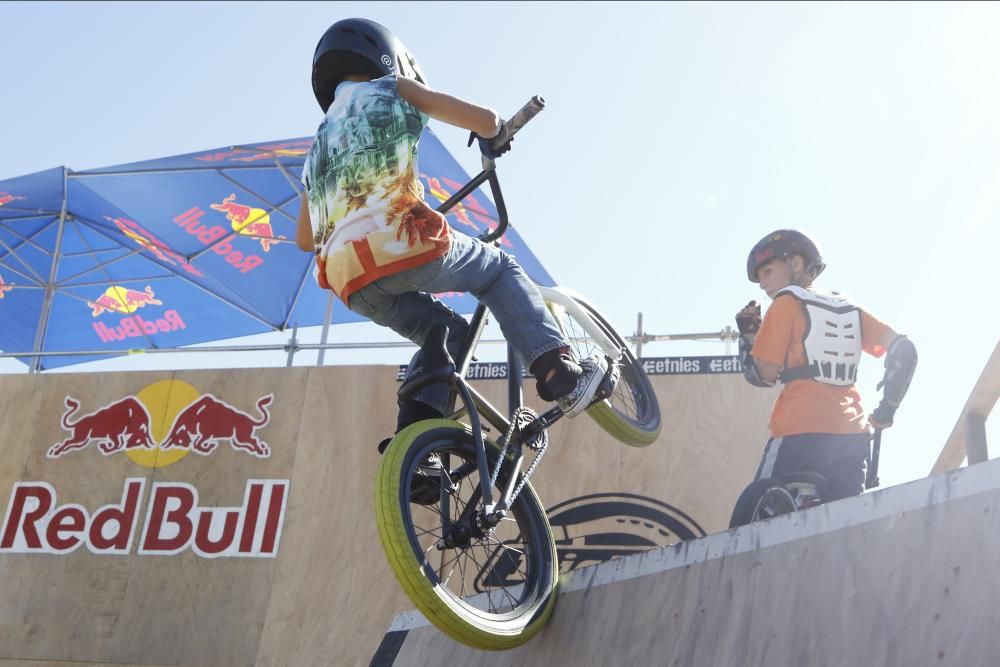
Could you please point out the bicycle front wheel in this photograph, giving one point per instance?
(632, 413)
(488, 588)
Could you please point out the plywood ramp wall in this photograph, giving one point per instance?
(320, 592)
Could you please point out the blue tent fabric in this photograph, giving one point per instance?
(181, 250)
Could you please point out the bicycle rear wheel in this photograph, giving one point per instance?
(632, 413)
(762, 500)
(489, 589)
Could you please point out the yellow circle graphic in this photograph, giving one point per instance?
(164, 400)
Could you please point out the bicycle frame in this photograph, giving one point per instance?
(473, 403)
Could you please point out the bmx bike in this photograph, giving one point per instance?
(794, 491)
(463, 530)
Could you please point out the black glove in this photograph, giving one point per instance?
(485, 146)
(748, 320)
(900, 363)
(882, 416)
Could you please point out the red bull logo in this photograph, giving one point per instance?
(121, 425)
(283, 149)
(118, 299)
(200, 425)
(125, 301)
(6, 198)
(146, 239)
(4, 287)
(190, 222)
(252, 222)
(441, 188)
(174, 522)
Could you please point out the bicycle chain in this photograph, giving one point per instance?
(522, 417)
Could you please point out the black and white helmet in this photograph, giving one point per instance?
(784, 243)
(354, 46)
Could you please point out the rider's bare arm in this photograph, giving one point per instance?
(449, 109)
(303, 232)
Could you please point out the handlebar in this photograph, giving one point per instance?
(871, 477)
(517, 121)
(511, 127)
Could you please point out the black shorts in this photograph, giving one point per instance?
(841, 459)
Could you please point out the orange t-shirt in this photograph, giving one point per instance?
(808, 406)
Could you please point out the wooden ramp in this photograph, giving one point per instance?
(903, 576)
(127, 541)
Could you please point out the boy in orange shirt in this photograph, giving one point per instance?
(811, 340)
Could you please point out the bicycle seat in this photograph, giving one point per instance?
(435, 364)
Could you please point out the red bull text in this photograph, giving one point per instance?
(136, 326)
(174, 522)
(190, 222)
(118, 299)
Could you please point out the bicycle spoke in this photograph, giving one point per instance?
(501, 587)
(494, 572)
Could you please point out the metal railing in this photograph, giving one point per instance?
(293, 346)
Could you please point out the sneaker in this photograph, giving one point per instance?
(594, 368)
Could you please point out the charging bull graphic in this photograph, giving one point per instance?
(121, 425)
(6, 198)
(201, 425)
(248, 221)
(118, 299)
(125, 425)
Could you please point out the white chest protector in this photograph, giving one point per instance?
(832, 339)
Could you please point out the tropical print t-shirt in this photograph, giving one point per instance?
(366, 202)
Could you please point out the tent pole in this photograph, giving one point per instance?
(293, 345)
(43, 321)
(326, 329)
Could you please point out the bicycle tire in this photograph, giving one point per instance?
(519, 560)
(631, 414)
(761, 500)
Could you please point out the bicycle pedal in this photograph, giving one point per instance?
(609, 382)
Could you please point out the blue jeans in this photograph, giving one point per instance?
(403, 303)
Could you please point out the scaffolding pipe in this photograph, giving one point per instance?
(638, 340)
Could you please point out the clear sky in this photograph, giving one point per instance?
(676, 135)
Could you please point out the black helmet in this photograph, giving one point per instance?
(784, 243)
(354, 46)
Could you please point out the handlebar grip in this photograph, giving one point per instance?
(517, 121)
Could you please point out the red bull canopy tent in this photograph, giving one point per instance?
(181, 250)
